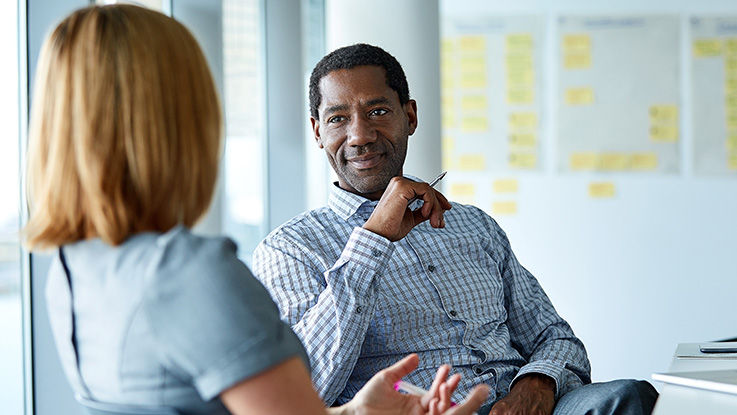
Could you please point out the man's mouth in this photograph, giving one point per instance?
(366, 161)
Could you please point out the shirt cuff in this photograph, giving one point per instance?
(543, 367)
(367, 249)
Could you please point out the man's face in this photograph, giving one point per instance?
(363, 128)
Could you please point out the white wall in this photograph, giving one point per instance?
(636, 274)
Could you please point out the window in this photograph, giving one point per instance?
(11, 334)
(243, 98)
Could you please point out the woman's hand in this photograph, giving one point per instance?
(378, 396)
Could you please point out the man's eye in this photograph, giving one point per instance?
(336, 119)
(378, 111)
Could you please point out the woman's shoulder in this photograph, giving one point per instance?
(193, 266)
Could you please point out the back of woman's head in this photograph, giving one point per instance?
(125, 130)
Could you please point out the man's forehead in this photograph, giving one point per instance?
(362, 84)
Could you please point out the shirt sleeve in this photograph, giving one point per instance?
(541, 336)
(329, 309)
(212, 318)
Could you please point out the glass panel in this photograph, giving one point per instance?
(11, 335)
(244, 199)
(151, 4)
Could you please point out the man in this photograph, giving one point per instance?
(369, 279)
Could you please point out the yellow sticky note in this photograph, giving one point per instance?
(584, 161)
(579, 96)
(462, 192)
(601, 189)
(508, 207)
(447, 81)
(730, 86)
(523, 139)
(471, 162)
(475, 43)
(472, 64)
(518, 63)
(448, 120)
(732, 141)
(732, 161)
(474, 124)
(474, 102)
(576, 43)
(447, 46)
(520, 96)
(447, 102)
(613, 161)
(447, 66)
(731, 100)
(505, 186)
(663, 113)
(664, 133)
(730, 64)
(448, 162)
(525, 78)
(644, 161)
(522, 120)
(577, 61)
(519, 42)
(520, 160)
(704, 48)
(448, 144)
(730, 46)
(473, 80)
(731, 117)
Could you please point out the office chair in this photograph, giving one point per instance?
(102, 408)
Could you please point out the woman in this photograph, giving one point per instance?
(124, 146)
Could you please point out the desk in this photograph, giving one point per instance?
(676, 400)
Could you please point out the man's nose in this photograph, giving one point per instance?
(360, 132)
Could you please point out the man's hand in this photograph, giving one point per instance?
(378, 396)
(392, 218)
(531, 395)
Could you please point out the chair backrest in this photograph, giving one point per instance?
(103, 408)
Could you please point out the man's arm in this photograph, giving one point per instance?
(541, 336)
(330, 311)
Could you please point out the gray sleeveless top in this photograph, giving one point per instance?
(164, 319)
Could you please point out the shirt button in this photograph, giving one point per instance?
(431, 268)
(452, 313)
(376, 253)
(477, 370)
(358, 310)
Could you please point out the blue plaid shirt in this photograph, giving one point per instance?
(455, 295)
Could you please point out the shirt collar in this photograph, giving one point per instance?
(346, 204)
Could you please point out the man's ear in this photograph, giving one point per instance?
(316, 131)
(410, 108)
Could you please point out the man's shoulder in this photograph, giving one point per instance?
(305, 223)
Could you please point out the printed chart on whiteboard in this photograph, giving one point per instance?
(491, 93)
(714, 94)
(618, 94)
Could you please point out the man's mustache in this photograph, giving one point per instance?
(360, 150)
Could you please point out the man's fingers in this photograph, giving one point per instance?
(443, 201)
(473, 401)
(402, 368)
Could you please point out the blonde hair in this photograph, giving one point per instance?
(126, 129)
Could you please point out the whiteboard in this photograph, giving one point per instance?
(636, 262)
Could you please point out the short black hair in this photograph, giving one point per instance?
(349, 57)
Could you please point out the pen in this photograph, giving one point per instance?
(432, 184)
(409, 388)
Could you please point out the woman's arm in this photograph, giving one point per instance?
(286, 389)
(283, 389)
